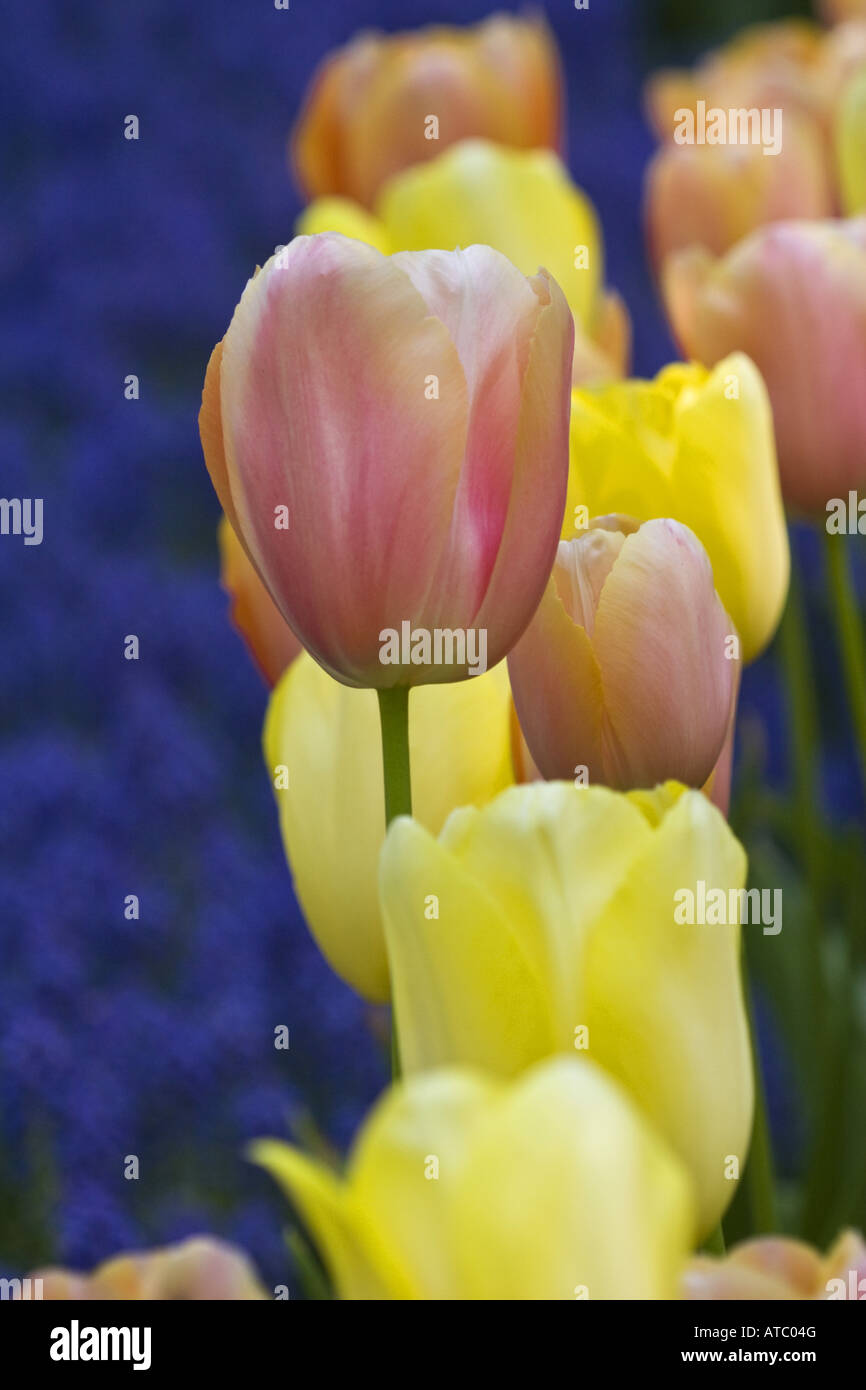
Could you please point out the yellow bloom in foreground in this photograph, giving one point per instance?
(323, 739)
(463, 1187)
(521, 202)
(698, 446)
(545, 923)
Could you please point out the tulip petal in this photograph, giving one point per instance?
(558, 695)
(664, 998)
(343, 216)
(540, 477)
(660, 628)
(610, 1213)
(434, 1118)
(337, 336)
(492, 313)
(793, 297)
(521, 202)
(469, 938)
(516, 898)
(695, 445)
(356, 1255)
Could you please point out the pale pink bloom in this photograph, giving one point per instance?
(407, 417)
(630, 666)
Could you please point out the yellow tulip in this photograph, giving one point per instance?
(698, 446)
(464, 1187)
(521, 202)
(323, 738)
(546, 923)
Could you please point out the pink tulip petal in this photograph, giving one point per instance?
(660, 642)
(324, 369)
(540, 478)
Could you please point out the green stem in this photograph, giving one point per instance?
(849, 629)
(760, 1182)
(394, 716)
(715, 1242)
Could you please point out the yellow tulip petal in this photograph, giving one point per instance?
(520, 202)
(465, 1187)
(408, 1164)
(697, 446)
(353, 1251)
(492, 981)
(665, 1003)
(442, 928)
(610, 1211)
(342, 215)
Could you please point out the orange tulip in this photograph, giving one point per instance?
(383, 103)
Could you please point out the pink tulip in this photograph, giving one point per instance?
(629, 668)
(793, 297)
(389, 438)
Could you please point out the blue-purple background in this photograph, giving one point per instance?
(155, 1037)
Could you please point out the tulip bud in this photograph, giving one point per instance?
(461, 1187)
(389, 440)
(200, 1269)
(629, 667)
(383, 103)
(792, 296)
(269, 639)
(698, 446)
(555, 931)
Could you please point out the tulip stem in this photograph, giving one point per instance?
(849, 629)
(394, 716)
